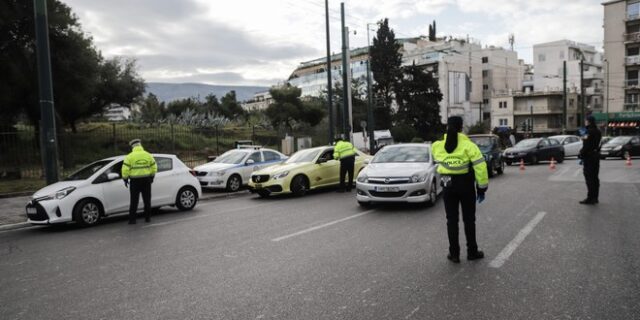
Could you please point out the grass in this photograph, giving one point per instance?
(22, 185)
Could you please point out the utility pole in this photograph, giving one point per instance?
(371, 125)
(564, 97)
(582, 97)
(48, 139)
(345, 75)
(606, 128)
(531, 122)
(332, 119)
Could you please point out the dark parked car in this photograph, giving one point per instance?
(492, 149)
(623, 147)
(535, 150)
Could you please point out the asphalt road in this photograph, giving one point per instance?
(323, 257)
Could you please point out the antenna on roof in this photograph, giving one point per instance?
(512, 40)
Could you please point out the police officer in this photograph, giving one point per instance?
(138, 170)
(346, 153)
(591, 160)
(463, 172)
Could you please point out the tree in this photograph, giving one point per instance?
(151, 110)
(177, 107)
(386, 60)
(230, 107)
(288, 110)
(419, 103)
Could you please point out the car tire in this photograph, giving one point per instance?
(560, 159)
(500, 169)
(492, 168)
(433, 194)
(508, 163)
(299, 185)
(234, 183)
(263, 193)
(87, 212)
(186, 199)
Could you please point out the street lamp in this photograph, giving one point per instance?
(606, 128)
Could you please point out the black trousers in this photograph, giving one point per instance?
(462, 193)
(591, 170)
(138, 186)
(347, 167)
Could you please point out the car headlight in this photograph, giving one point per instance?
(363, 178)
(418, 178)
(280, 175)
(218, 173)
(64, 192)
(617, 148)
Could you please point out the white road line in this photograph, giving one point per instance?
(513, 245)
(562, 172)
(412, 312)
(320, 226)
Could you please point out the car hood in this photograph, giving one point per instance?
(396, 169)
(281, 167)
(215, 166)
(53, 188)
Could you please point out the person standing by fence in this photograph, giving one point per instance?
(138, 170)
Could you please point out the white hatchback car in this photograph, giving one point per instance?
(233, 169)
(97, 191)
(571, 144)
(399, 173)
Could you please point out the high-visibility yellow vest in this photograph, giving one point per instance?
(139, 164)
(466, 155)
(343, 149)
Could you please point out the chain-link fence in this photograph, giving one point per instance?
(20, 152)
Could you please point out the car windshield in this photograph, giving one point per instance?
(528, 143)
(231, 157)
(304, 156)
(484, 143)
(88, 171)
(619, 140)
(402, 154)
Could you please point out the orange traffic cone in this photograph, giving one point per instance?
(521, 164)
(552, 164)
(628, 161)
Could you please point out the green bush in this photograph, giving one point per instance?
(403, 133)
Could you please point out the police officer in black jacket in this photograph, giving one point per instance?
(590, 155)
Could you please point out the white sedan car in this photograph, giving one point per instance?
(233, 169)
(399, 173)
(97, 191)
(571, 144)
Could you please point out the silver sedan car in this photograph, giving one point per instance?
(399, 173)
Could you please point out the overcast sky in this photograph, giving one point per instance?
(260, 42)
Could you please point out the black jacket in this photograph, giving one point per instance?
(591, 145)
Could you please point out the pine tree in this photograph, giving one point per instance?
(386, 60)
(419, 103)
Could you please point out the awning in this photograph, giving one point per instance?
(628, 124)
(617, 117)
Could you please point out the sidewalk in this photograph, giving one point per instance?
(12, 210)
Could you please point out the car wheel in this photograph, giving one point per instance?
(186, 199)
(508, 163)
(433, 194)
(501, 167)
(263, 193)
(87, 212)
(299, 186)
(234, 183)
(491, 167)
(560, 159)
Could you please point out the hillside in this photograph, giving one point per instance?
(173, 91)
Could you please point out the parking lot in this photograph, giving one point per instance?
(323, 257)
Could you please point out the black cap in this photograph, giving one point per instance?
(591, 119)
(455, 123)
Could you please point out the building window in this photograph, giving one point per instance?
(485, 73)
(502, 105)
(633, 51)
(633, 28)
(633, 10)
(542, 57)
(485, 86)
(570, 102)
(485, 101)
(632, 77)
(485, 59)
(504, 122)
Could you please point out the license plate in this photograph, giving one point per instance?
(32, 210)
(510, 157)
(258, 185)
(387, 189)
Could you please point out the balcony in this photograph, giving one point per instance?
(591, 91)
(631, 84)
(632, 60)
(632, 17)
(632, 37)
(628, 106)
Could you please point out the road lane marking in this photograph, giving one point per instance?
(412, 312)
(513, 245)
(320, 226)
(562, 172)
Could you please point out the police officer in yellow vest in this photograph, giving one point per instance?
(463, 172)
(138, 170)
(346, 153)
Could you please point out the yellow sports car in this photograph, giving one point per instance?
(305, 170)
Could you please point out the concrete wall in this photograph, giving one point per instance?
(614, 52)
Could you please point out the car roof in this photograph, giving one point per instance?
(482, 135)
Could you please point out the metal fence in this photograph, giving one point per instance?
(20, 152)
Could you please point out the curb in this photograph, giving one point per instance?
(16, 194)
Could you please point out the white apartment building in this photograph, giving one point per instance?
(622, 66)
(259, 102)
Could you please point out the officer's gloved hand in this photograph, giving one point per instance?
(152, 179)
(481, 193)
(126, 183)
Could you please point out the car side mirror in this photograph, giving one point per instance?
(367, 161)
(112, 176)
(322, 160)
(250, 162)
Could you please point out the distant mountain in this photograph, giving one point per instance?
(174, 91)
